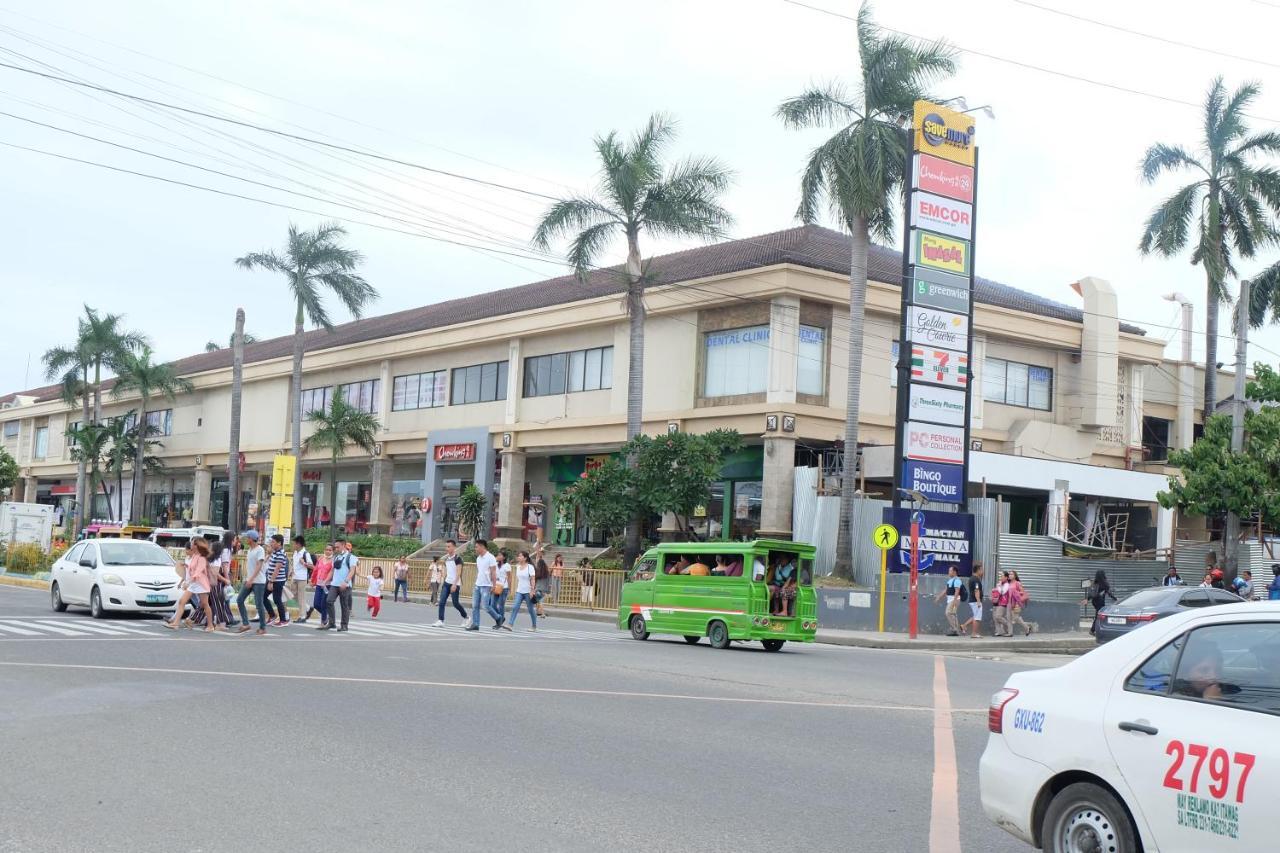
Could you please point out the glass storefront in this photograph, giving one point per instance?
(406, 506)
(315, 504)
(352, 502)
(220, 504)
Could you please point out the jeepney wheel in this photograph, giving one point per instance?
(638, 631)
(772, 645)
(718, 633)
(692, 639)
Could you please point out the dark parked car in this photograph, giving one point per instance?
(1147, 605)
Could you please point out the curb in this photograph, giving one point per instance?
(1056, 647)
(32, 583)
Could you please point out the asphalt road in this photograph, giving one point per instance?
(397, 737)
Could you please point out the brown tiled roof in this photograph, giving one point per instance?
(807, 246)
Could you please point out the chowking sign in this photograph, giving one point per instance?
(932, 430)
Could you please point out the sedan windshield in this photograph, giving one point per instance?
(134, 553)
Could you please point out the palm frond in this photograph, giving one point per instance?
(820, 106)
(307, 296)
(1264, 296)
(587, 245)
(1231, 121)
(351, 289)
(1166, 158)
(340, 426)
(262, 260)
(568, 215)
(1168, 228)
(1267, 142)
(686, 203)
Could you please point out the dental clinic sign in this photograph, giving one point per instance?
(940, 220)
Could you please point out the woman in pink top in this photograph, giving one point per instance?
(198, 585)
(320, 579)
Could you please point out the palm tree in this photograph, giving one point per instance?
(89, 445)
(212, 346)
(100, 342)
(1264, 296)
(238, 338)
(137, 372)
(119, 453)
(1227, 202)
(857, 174)
(342, 425)
(312, 262)
(638, 195)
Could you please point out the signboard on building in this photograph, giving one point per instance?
(942, 177)
(953, 218)
(944, 133)
(940, 252)
(946, 539)
(932, 443)
(455, 453)
(940, 290)
(938, 328)
(937, 482)
(940, 366)
(934, 404)
(282, 471)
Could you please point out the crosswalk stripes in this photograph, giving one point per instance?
(110, 630)
(80, 629)
(14, 629)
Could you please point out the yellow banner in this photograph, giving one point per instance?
(282, 471)
(944, 133)
(281, 512)
(940, 253)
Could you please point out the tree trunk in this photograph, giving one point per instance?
(1210, 348)
(120, 492)
(635, 377)
(333, 516)
(81, 468)
(139, 457)
(233, 445)
(296, 438)
(853, 396)
(97, 392)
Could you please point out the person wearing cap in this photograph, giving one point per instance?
(255, 583)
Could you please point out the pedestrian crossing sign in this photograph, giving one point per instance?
(885, 536)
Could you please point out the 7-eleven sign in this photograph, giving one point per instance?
(940, 366)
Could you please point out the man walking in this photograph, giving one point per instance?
(952, 593)
(255, 583)
(452, 583)
(303, 563)
(975, 602)
(344, 569)
(277, 578)
(482, 598)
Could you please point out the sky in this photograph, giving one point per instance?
(512, 94)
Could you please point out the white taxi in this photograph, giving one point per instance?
(1165, 739)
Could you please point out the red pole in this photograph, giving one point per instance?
(913, 609)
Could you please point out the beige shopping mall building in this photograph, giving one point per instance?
(521, 390)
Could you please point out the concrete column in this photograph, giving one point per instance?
(1164, 527)
(784, 345)
(1184, 426)
(381, 473)
(384, 395)
(511, 413)
(669, 529)
(29, 485)
(202, 505)
(779, 487)
(511, 495)
(1135, 393)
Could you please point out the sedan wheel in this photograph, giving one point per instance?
(95, 605)
(55, 596)
(1086, 818)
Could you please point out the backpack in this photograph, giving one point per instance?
(964, 592)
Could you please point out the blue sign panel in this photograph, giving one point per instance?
(936, 481)
(945, 537)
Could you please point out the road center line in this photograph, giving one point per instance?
(459, 685)
(944, 817)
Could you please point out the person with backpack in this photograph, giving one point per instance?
(1018, 599)
(974, 622)
(952, 591)
(1097, 596)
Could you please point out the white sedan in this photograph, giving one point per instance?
(115, 575)
(1165, 739)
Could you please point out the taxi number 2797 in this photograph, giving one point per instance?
(1220, 763)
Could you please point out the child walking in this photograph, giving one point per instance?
(374, 603)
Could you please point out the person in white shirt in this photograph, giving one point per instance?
(452, 583)
(374, 601)
(482, 597)
(255, 584)
(524, 591)
(434, 575)
(501, 583)
(303, 563)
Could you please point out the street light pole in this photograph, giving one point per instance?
(1237, 420)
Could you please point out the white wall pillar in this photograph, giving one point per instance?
(380, 497)
(511, 495)
(202, 501)
(1164, 527)
(512, 413)
(784, 346)
(778, 490)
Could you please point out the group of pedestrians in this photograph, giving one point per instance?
(1008, 598)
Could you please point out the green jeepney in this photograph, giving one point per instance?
(725, 591)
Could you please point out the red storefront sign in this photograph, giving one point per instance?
(62, 490)
(312, 476)
(455, 453)
(935, 175)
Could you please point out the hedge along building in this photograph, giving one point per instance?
(749, 334)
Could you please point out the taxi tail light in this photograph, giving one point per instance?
(995, 714)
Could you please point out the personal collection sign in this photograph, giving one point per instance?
(940, 219)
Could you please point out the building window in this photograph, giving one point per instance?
(10, 429)
(161, 422)
(1155, 438)
(736, 361)
(41, 449)
(1017, 384)
(479, 383)
(316, 400)
(364, 396)
(566, 372)
(419, 391)
(811, 361)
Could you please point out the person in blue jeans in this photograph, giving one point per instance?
(524, 591)
(255, 584)
(482, 596)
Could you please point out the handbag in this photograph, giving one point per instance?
(537, 597)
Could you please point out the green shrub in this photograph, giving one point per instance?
(28, 558)
(364, 544)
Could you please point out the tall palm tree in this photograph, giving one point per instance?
(1264, 296)
(858, 175)
(238, 338)
(1227, 203)
(119, 453)
(137, 372)
(313, 261)
(638, 194)
(335, 429)
(89, 445)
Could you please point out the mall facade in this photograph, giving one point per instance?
(522, 390)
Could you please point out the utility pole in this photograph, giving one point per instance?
(1232, 542)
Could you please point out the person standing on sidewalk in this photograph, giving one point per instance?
(401, 571)
(452, 583)
(974, 621)
(255, 584)
(434, 576)
(303, 565)
(501, 583)
(482, 597)
(541, 586)
(588, 582)
(524, 591)
(1018, 599)
(344, 570)
(952, 593)
(320, 580)
(278, 579)
(557, 572)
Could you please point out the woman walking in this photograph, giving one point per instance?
(1018, 599)
(541, 586)
(221, 558)
(1000, 597)
(402, 581)
(1097, 596)
(524, 591)
(320, 580)
(197, 585)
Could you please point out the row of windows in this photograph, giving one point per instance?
(736, 361)
(419, 391)
(1004, 381)
(581, 370)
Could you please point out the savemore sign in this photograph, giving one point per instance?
(944, 133)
